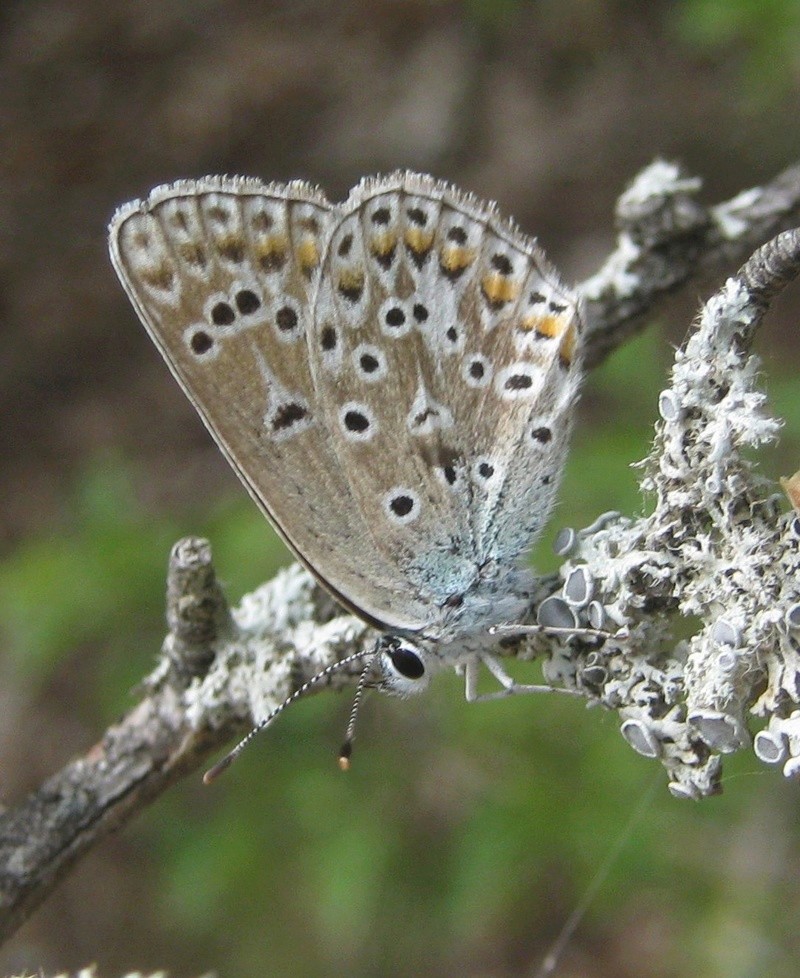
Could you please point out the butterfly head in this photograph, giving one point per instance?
(400, 667)
(395, 665)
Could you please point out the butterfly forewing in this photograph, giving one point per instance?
(222, 273)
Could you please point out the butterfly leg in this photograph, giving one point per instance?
(509, 686)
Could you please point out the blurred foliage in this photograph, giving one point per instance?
(86, 585)
(493, 14)
(99, 582)
(461, 829)
(765, 32)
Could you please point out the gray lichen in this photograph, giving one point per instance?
(719, 549)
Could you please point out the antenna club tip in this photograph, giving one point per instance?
(344, 756)
(213, 773)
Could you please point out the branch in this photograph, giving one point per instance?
(667, 238)
(716, 546)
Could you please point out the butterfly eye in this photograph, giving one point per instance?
(403, 669)
(407, 663)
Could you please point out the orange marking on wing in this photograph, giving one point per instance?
(192, 253)
(159, 277)
(500, 288)
(418, 240)
(544, 325)
(308, 254)
(382, 244)
(566, 350)
(351, 280)
(271, 250)
(455, 259)
(231, 246)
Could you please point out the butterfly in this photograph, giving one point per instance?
(393, 379)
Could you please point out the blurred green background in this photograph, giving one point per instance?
(464, 835)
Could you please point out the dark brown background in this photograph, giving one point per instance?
(549, 108)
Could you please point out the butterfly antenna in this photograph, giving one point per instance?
(213, 773)
(347, 747)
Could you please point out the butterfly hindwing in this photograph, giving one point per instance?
(439, 340)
